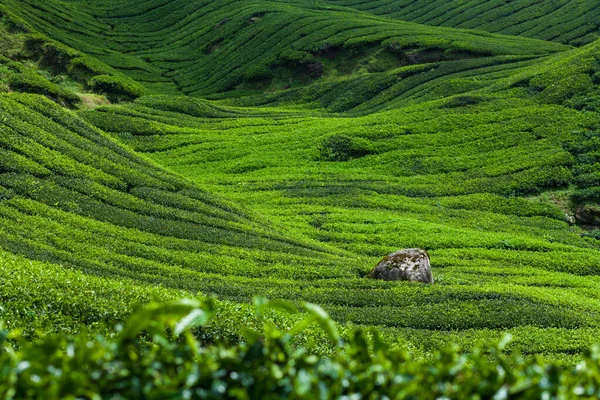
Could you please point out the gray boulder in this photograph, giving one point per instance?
(404, 265)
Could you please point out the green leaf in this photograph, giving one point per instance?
(156, 316)
(262, 303)
(504, 341)
(324, 320)
(259, 303)
(320, 316)
(194, 318)
(283, 305)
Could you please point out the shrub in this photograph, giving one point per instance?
(462, 101)
(32, 82)
(148, 361)
(343, 148)
(314, 69)
(296, 56)
(259, 73)
(116, 88)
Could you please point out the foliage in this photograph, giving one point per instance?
(237, 50)
(446, 134)
(342, 148)
(155, 355)
(37, 62)
(32, 82)
(116, 88)
(576, 23)
(462, 101)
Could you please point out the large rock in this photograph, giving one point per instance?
(404, 265)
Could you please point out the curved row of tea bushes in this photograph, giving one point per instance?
(566, 21)
(501, 262)
(244, 45)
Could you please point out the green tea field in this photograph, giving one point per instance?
(161, 149)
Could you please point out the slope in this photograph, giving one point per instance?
(72, 195)
(200, 48)
(566, 21)
(439, 145)
(444, 172)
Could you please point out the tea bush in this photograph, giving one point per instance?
(238, 51)
(156, 355)
(468, 154)
(116, 88)
(574, 24)
(343, 148)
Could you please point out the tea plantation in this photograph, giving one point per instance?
(165, 149)
(565, 21)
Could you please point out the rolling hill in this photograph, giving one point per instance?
(566, 21)
(282, 148)
(202, 48)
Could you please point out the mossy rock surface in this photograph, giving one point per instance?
(404, 265)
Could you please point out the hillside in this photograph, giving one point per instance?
(245, 45)
(566, 21)
(281, 149)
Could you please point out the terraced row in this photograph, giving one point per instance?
(205, 244)
(433, 176)
(244, 46)
(566, 21)
(70, 194)
(569, 78)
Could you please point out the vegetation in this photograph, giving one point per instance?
(328, 135)
(342, 148)
(565, 21)
(146, 360)
(252, 45)
(33, 63)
